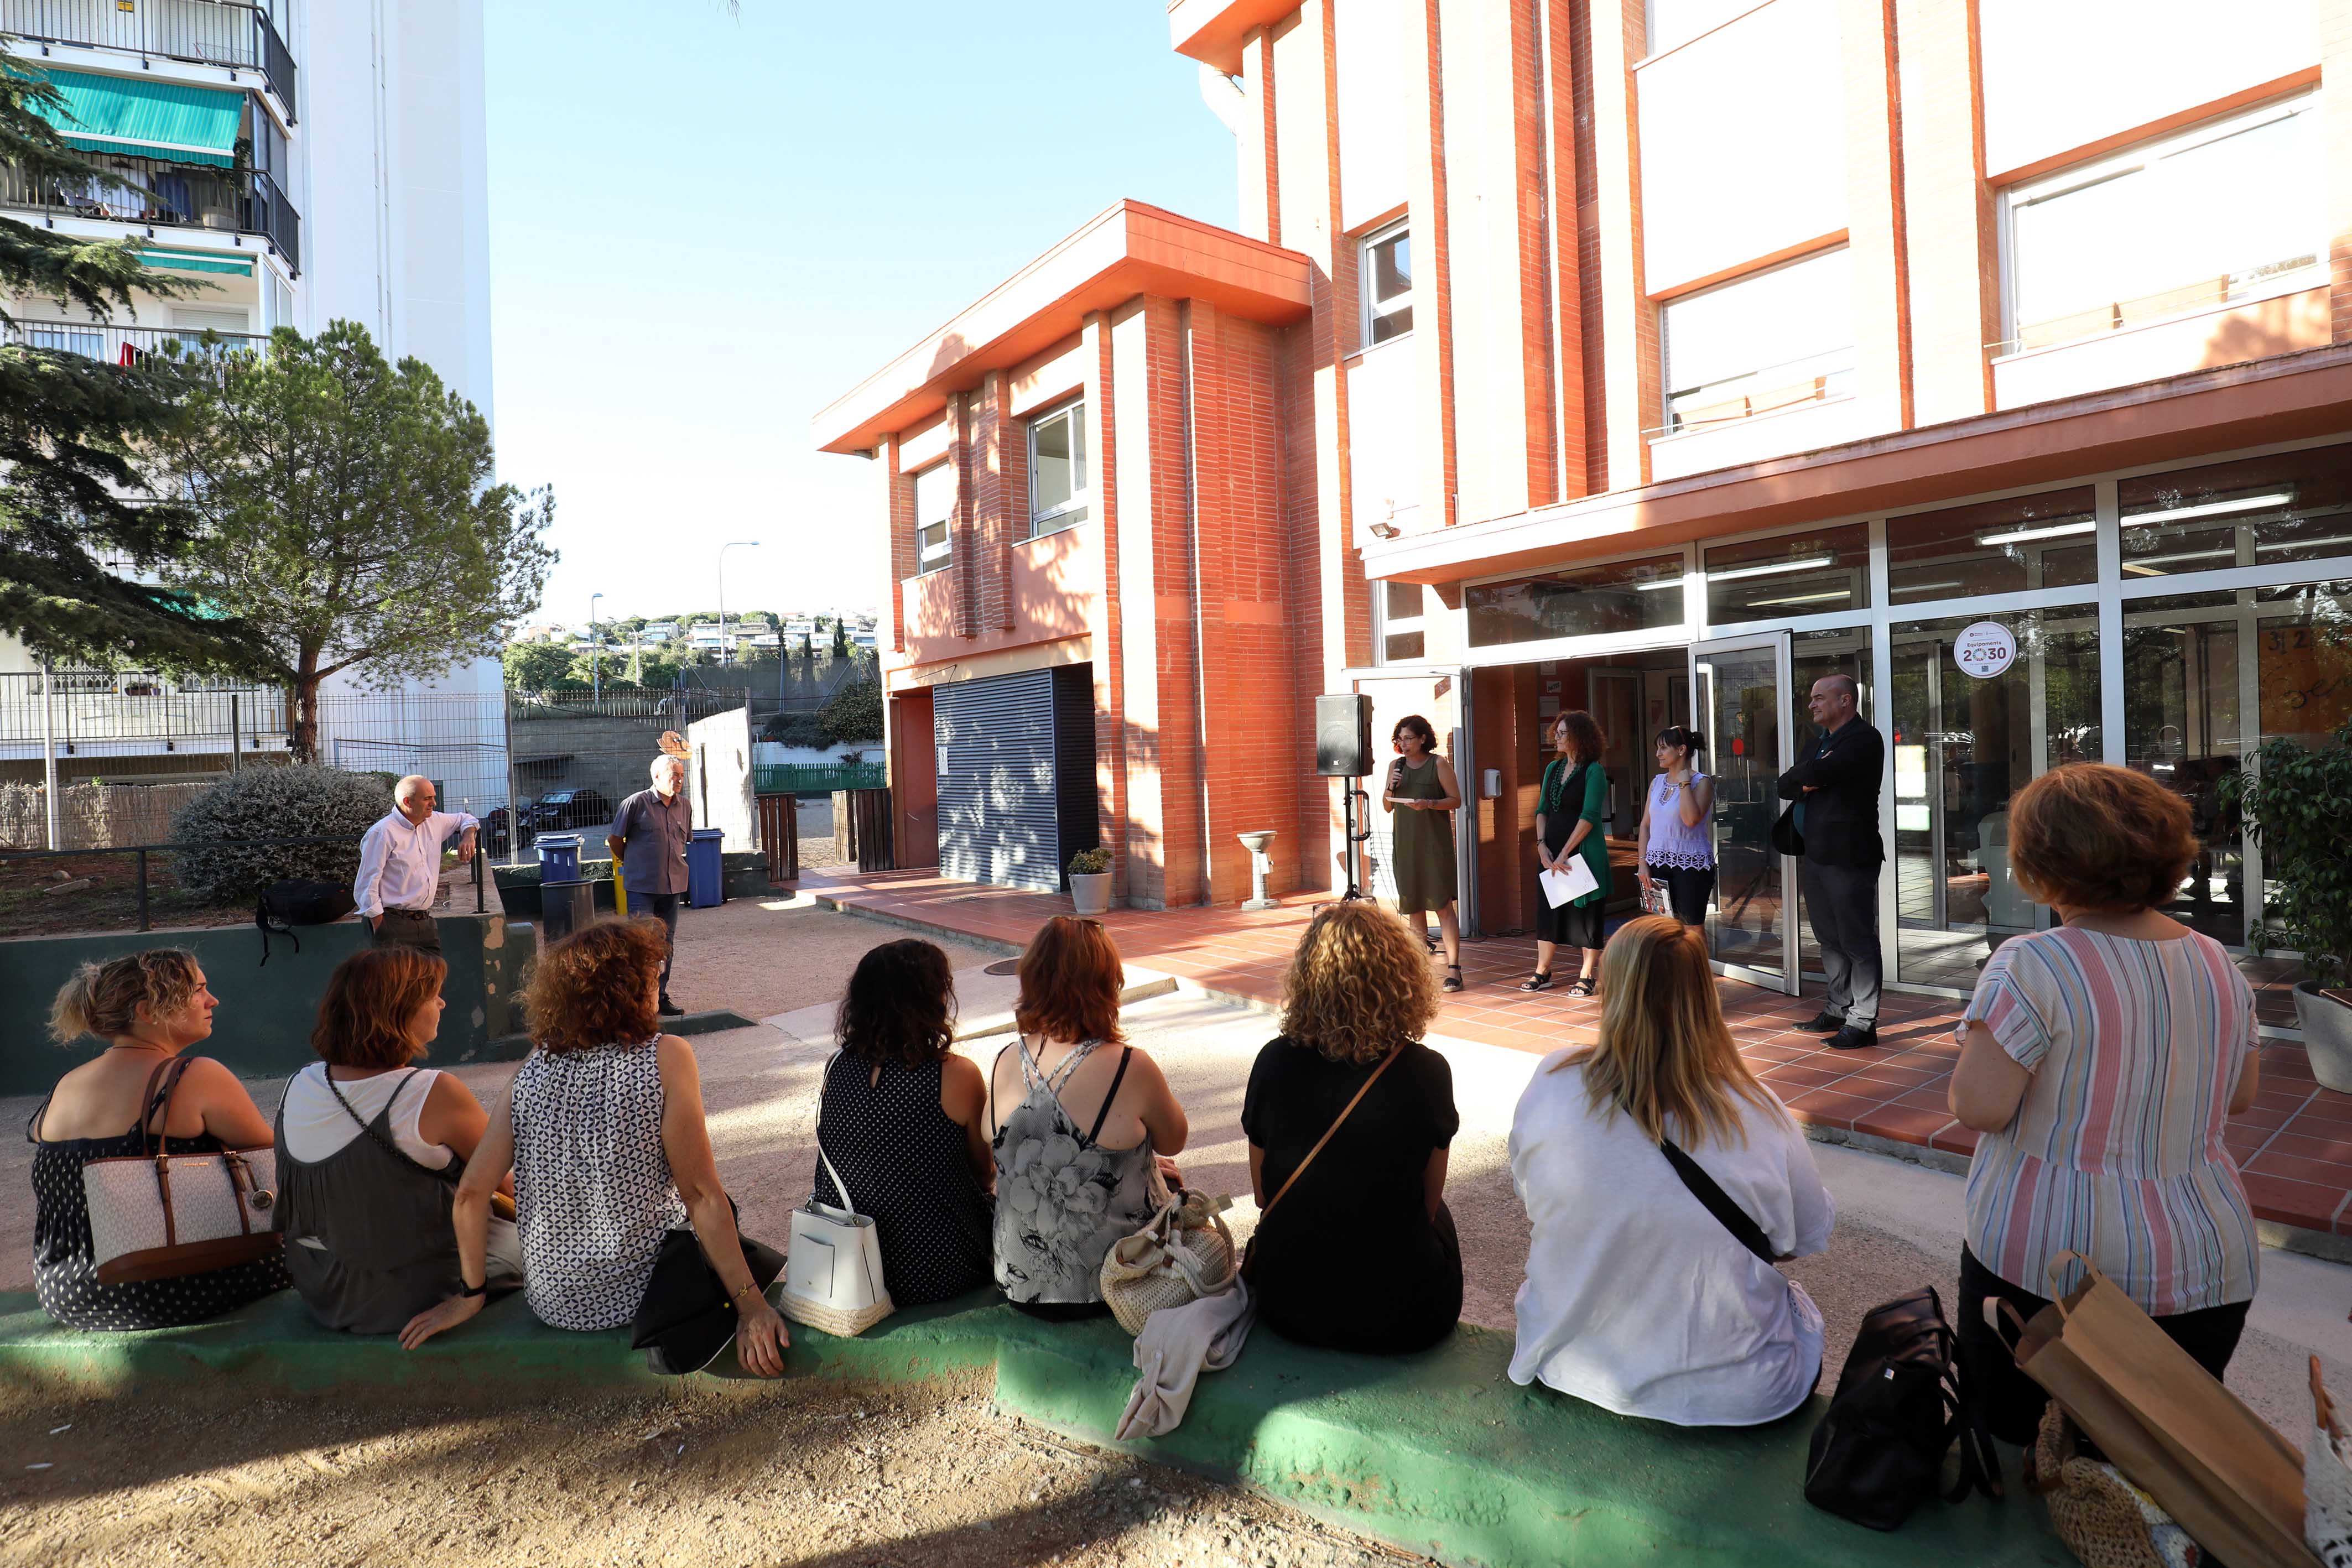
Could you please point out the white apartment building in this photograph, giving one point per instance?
(310, 159)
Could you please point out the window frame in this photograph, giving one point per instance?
(2135, 159)
(1067, 513)
(1670, 423)
(945, 551)
(1400, 626)
(1370, 311)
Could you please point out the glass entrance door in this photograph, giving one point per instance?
(1740, 695)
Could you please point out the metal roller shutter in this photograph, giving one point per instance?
(998, 801)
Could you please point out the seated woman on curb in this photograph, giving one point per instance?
(1360, 1253)
(1080, 1122)
(149, 1007)
(2100, 1059)
(900, 1118)
(1637, 1298)
(371, 1148)
(603, 1128)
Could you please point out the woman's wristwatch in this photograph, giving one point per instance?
(465, 1289)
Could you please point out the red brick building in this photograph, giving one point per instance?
(1652, 357)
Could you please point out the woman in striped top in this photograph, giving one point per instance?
(2100, 1060)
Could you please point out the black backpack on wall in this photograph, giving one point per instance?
(1901, 1402)
(297, 901)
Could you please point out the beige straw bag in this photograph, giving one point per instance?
(2326, 1480)
(1182, 1253)
(159, 1215)
(2102, 1518)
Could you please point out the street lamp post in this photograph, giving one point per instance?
(731, 544)
(596, 653)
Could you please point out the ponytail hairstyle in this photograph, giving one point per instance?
(1689, 739)
(102, 999)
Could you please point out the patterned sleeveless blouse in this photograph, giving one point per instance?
(593, 1194)
(1673, 842)
(1061, 1197)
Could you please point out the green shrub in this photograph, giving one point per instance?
(795, 729)
(292, 802)
(2296, 807)
(1089, 862)
(853, 714)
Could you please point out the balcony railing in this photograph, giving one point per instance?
(207, 32)
(156, 192)
(109, 707)
(122, 345)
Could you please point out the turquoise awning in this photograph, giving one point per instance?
(196, 261)
(147, 119)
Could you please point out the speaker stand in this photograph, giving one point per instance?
(1349, 795)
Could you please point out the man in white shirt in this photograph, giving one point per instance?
(400, 865)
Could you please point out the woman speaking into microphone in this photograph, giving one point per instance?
(1421, 795)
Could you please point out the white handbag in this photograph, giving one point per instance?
(833, 1268)
(159, 1215)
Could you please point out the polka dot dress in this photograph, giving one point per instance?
(908, 1168)
(65, 1276)
(593, 1194)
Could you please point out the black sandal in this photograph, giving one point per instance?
(1582, 987)
(1538, 981)
(1453, 981)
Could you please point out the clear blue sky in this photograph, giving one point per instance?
(704, 226)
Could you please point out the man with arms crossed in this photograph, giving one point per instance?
(648, 839)
(399, 866)
(1835, 787)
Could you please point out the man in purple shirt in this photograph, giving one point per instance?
(648, 839)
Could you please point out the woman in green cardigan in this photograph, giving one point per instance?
(1575, 793)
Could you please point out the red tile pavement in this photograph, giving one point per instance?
(2295, 1144)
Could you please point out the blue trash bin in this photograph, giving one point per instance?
(559, 858)
(706, 873)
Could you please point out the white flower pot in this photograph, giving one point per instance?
(1090, 891)
(2326, 1026)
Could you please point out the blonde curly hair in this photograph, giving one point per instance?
(1358, 986)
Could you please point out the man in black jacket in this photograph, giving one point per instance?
(1835, 787)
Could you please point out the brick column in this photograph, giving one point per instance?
(898, 543)
(963, 526)
(1629, 340)
(1262, 171)
(1422, 128)
(995, 482)
(1109, 649)
(2332, 20)
(1954, 264)
(1875, 213)
(1155, 667)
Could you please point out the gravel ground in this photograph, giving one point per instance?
(816, 1472)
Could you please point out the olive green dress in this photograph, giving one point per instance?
(1422, 842)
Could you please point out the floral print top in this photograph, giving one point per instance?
(1062, 1198)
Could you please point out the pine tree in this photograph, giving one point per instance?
(75, 509)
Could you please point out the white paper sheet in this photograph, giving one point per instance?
(1560, 887)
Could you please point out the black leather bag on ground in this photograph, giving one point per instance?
(1900, 1405)
(297, 901)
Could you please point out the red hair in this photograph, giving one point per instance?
(1070, 979)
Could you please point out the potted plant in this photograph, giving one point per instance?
(2296, 807)
(1090, 882)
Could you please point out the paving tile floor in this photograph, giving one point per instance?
(2294, 1145)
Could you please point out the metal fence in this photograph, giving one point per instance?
(524, 763)
(211, 32)
(815, 778)
(155, 192)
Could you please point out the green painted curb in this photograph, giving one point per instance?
(1435, 1452)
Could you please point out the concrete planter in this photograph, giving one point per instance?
(1090, 891)
(2326, 1026)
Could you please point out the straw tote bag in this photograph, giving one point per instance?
(1182, 1253)
(158, 1216)
(832, 1265)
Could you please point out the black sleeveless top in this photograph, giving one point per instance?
(909, 1171)
(64, 1273)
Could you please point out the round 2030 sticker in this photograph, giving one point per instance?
(1984, 648)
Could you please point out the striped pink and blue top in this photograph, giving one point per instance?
(2116, 1150)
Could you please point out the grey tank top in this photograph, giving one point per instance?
(1062, 1199)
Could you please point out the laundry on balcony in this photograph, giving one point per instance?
(146, 118)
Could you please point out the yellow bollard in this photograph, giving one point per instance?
(620, 893)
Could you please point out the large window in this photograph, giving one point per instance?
(1792, 574)
(1993, 546)
(1057, 469)
(1776, 339)
(2227, 210)
(935, 499)
(2297, 505)
(1625, 596)
(1385, 275)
